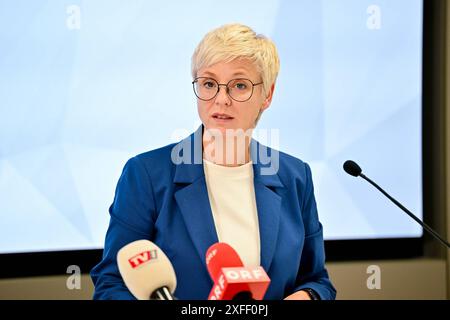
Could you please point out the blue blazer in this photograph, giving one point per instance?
(165, 201)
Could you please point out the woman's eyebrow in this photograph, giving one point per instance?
(237, 73)
(240, 74)
(209, 73)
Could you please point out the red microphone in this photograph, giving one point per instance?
(233, 281)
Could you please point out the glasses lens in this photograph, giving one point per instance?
(205, 88)
(240, 89)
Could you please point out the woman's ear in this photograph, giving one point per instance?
(268, 99)
(266, 103)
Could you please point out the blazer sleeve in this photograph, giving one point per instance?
(131, 218)
(312, 273)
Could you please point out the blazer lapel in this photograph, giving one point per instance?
(192, 197)
(268, 201)
(193, 202)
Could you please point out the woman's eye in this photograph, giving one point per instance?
(241, 86)
(209, 84)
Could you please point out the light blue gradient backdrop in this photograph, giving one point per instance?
(75, 104)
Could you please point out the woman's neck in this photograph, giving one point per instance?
(230, 148)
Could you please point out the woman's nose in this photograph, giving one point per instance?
(222, 96)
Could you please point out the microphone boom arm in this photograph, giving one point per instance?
(423, 224)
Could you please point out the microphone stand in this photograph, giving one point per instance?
(423, 224)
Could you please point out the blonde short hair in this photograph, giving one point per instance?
(234, 41)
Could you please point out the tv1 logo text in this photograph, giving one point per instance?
(143, 257)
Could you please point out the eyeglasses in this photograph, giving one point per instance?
(239, 90)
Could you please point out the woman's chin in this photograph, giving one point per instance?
(221, 127)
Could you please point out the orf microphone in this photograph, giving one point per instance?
(353, 169)
(233, 281)
(221, 255)
(146, 271)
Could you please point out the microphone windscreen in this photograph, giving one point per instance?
(145, 268)
(221, 255)
(352, 168)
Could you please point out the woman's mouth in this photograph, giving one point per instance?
(222, 117)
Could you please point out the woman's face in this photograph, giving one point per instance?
(222, 112)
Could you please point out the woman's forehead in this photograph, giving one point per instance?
(234, 68)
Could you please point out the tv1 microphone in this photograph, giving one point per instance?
(232, 280)
(146, 271)
(352, 168)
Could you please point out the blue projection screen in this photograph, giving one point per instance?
(85, 85)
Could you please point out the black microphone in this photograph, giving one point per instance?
(353, 169)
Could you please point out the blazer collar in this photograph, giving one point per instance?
(193, 201)
(188, 157)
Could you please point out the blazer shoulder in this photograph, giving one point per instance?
(157, 161)
(156, 155)
(293, 166)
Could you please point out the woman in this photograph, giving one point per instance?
(213, 186)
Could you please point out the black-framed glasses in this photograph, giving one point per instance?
(239, 90)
